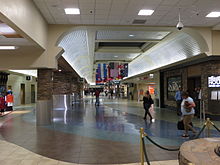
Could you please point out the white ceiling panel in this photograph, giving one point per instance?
(127, 10)
(104, 1)
(187, 3)
(115, 56)
(169, 2)
(124, 35)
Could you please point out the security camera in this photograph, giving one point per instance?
(179, 26)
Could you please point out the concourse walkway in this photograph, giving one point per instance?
(89, 134)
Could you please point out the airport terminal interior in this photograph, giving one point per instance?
(109, 82)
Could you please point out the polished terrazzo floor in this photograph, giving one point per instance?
(84, 133)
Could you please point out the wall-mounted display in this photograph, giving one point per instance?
(173, 84)
(214, 81)
(214, 95)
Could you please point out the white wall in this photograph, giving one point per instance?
(15, 82)
(24, 17)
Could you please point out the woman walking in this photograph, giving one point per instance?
(147, 104)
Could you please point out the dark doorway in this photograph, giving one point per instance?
(32, 93)
(192, 83)
(22, 94)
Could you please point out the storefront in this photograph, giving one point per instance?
(200, 78)
(147, 82)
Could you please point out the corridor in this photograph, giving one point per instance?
(105, 134)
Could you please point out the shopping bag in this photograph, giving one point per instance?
(180, 125)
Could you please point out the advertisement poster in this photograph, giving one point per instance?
(173, 84)
(151, 89)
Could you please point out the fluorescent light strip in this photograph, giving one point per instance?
(145, 12)
(213, 14)
(8, 47)
(72, 11)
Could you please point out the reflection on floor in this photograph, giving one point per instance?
(5, 113)
(107, 134)
(16, 155)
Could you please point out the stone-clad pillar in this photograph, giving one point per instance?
(44, 96)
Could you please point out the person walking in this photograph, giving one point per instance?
(188, 111)
(178, 98)
(147, 104)
(97, 93)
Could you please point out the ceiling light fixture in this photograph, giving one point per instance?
(131, 35)
(145, 12)
(8, 47)
(72, 11)
(115, 56)
(213, 14)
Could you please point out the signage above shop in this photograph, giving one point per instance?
(214, 81)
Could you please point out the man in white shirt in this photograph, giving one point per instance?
(188, 111)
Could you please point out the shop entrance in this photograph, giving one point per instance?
(22, 94)
(192, 83)
(32, 93)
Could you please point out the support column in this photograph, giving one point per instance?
(62, 99)
(44, 97)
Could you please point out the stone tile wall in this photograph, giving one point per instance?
(55, 83)
(208, 68)
(45, 84)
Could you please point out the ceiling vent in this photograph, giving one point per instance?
(139, 21)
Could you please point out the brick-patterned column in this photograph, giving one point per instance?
(44, 96)
(62, 83)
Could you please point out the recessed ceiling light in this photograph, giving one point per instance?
(115, 56)
(213, 14)
(8, 47)
(131, 35)
(145, 12)
(72, 11)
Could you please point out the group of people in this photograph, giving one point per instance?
(6, 102)
(186, 109)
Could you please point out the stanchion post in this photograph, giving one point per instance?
(141, 145)
(208, 126)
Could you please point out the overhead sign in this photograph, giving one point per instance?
(214, 81)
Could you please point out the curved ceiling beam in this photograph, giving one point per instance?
(78, 44)
(177, 47)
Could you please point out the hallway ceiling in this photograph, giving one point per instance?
(9, 37)
(124, 12)
(124, 45)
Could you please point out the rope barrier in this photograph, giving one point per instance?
(145, 153)
(216, 127)
(168, 149)
(207, 124)
(201, 130)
